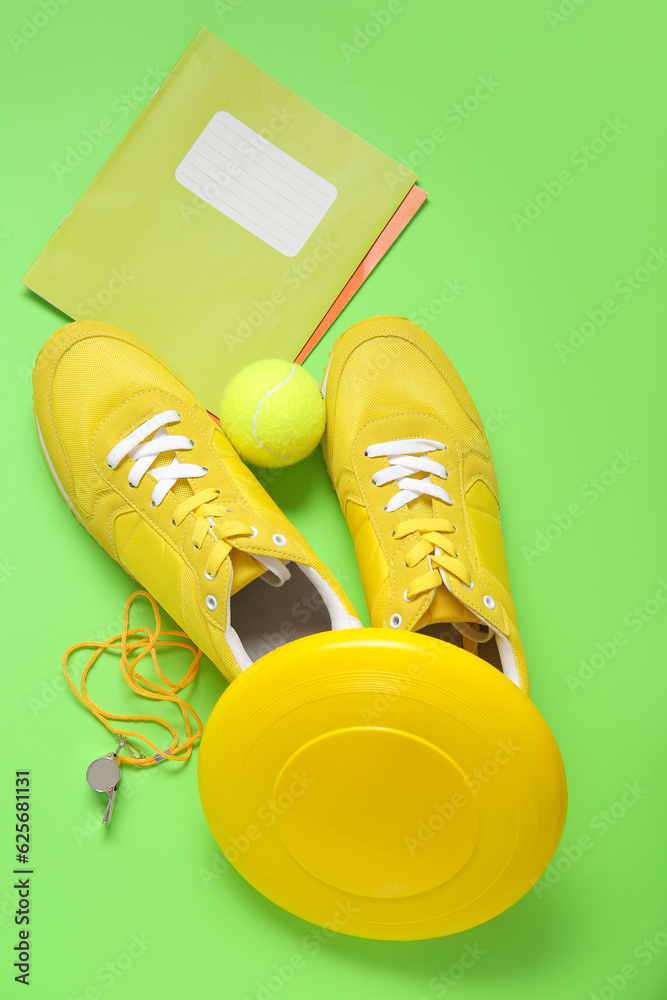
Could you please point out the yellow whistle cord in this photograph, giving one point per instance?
(134, 644)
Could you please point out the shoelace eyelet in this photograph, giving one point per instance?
(279, 540)
(208, 576)
(489, 602)
(211, 602)
(395, 621)
(406, 598)
(254, 530)
(471, 587)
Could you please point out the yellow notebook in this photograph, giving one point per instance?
(225, 224)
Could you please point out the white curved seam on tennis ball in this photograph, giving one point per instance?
(254, 419)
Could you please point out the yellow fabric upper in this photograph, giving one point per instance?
(92, 385)
(388, 380)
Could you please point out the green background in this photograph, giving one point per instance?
(589, 593)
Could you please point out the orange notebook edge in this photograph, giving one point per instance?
(410, 205)
(408, 208)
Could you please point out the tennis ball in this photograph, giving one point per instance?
(273, 413)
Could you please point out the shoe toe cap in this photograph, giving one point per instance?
(389, 365)
(84, 372)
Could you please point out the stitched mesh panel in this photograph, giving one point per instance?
(421, 506)
(391, 374)
(266, 617)
(99, 377)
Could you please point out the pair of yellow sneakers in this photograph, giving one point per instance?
(155, 482)
(420, 788)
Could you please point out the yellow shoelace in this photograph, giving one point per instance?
(434, 534)
(148, 444)
(204, 505)
(135, 644)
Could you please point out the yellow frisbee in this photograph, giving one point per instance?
(385, 784)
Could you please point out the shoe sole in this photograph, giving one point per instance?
(54, 475)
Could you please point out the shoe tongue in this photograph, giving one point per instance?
(421, 506)
(181, 490)
(445, 608)
(246, 569)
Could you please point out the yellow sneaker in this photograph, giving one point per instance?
(152, 478)
(410, 462)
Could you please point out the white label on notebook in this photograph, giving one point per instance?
(251, 181)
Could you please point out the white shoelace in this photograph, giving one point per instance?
(405, 458)
(145, 452)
